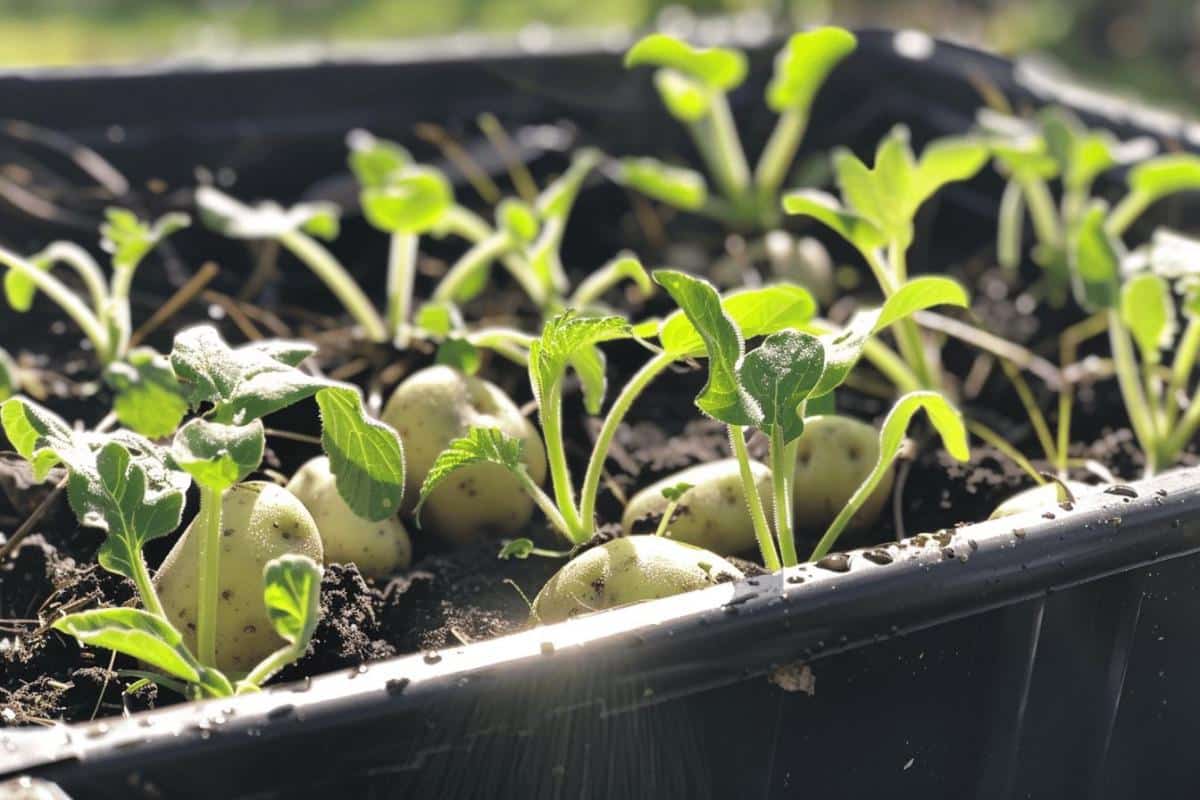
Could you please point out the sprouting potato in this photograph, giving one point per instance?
(834, 455)
(1038, 498)
(259, 521)
(432, 408)
(376, 548)
(712, 514)
(628, 570)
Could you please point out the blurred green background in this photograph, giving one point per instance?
(1149, 47)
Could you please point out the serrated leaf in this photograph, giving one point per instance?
(718, 68)
(136, 633)
(149, 399)
(1148, 310)
(723, 397)
(129, 239)
(265, 220)
(686, 99)
(479, 446)
(755, 312)
(292, 594)
(365, 455)
(676, 186)
(859, 231)
(413, 201)
(569, 340)
(675, 492)
(844, 348)
(779, 374)
(375, 161)
(803, 64)
(1095, 259)
(216, 455)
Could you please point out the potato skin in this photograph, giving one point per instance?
(712, 514)
(833, 457)
(259, 521)
(628, 570)
(376, 548)
(433, 407)
(1038, 498)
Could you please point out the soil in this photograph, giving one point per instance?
(450, 597)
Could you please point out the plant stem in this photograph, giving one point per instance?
(717, 139)
(782, 473)
(1009, 227)
(1000, 443)
(860, 496)
(665, 522)
(620, 407)
(556, 456)
(116, 312)
(1132, 392)
(1046, 222)
(779, 152)
(326, 267)
(762, 531)
(145, 587)
(508, 342)
(463, 222)
(1181, 368)
(85, 267)
(209, 557)
(470, 264)
(67, 300)
(1126, 212)
(548, 508)
(402, 272)
(266, 668)
(593, 287)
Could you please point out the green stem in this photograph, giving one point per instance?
(780, 151)
(620, 407)
(468, 266)
(116, 313)
(208, 582)
(782, 472)
(762, 531)
(508, 342)
(665, 522)
(548, 508)
(1009, 227)
(1000, 443)
(402, 272)
(593, 287)
(463, 222)
(326, 267)
(267, 668)
(1046, 223)
(856, 501)
(1126, 212)
(717, 139)
(908, 335)
(1182, 434)
(1132, 392)
(67, 300)
(85, 267)
(1181, 368)
(556, 456)
(146, 590)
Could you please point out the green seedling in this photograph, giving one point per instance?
(694, 84)
(877, 214)
(770, 388)
(133, 489)
(101, 311)
(1058, 146)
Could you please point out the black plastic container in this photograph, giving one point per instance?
(1049, 656)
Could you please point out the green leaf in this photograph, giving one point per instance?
(439, 318)
(718, 68)
(686, 99)
(518, 219)
(9, 378)
(39, 435)
(675, 493)
(206, 367)
(947, 160)
(136, 633)
(803, 64)
(946, 419)
(676, 186)
(266, 220)
(216, 455)
(844, 348)
(19, 290)
(479, 446)
(149, 399)
(365, 455)
(723, 396)
(1095, 258)
(517, 548)
(375, 161)
(292, 594)
(460, 354)
(1148, 310)
(755, 312)
(1156, 178)
(556, 200)
(129, 239)
(779, 375)
(1081, 154)
(414, 201)
(569, 340)
(859, 231)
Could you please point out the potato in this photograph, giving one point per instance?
(259, 521)
(628, 570)
(833, 457)
(432, 408)
(376, 548)
(712, 514)
(1039, 498)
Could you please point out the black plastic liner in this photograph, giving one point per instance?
(1049, 656)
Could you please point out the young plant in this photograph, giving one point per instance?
(770, 388)
(102, 311)
(877, 214)
(134, 490)
(1058, 146)
(694, 84)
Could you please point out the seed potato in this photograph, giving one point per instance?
(1038, 498)
(834, 455)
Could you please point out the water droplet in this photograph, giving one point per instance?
(432, 657)
(880, 557)
(396, 686)
(835, 562)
